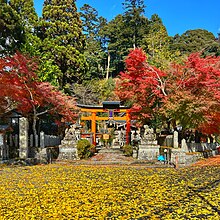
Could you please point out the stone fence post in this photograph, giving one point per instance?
(42, 139)
(175, 139)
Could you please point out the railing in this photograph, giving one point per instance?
(41, 140)
(45, 140)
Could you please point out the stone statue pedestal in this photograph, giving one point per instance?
(148, 148)
(148, 152)
(67, 153)
(68, 149)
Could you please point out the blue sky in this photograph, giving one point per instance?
(177, 15)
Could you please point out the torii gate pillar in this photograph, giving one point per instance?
(128, 126)
(93, 127)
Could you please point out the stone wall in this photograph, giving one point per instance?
(181, 153)
(180, 157)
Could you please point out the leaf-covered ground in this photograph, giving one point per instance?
(212, 161)
(109, 192)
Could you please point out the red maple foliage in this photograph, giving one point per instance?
(194, 93)
(20, 85)
(141, 84)
(186, 94)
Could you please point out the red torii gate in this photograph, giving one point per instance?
(107, 106)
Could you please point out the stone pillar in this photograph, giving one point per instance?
(132, 136)
(168, 141)
(135, 153)
(1, 146)
(42, 139)
(5, 152)
(23, 138)
(31, 143)
(36, 141)
(175, 139)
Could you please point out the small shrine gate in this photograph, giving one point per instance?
(110, 107)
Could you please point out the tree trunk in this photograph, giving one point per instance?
(134, 41)
(108, 66)
(35, 141)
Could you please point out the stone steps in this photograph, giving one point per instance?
(108, 156)
(111, 150)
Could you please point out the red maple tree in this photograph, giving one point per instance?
(143, 85)
(21, 88)
(186, 94)
(193, 98)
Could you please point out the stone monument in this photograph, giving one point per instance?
(68, 149)
(23, 138)
(148, 147)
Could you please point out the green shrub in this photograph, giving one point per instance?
(128, 150)
(85, 149)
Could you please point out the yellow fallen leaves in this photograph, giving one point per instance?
(109, 192)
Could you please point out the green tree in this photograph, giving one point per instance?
(18, 20)
(117, 44)
(193, 41)
(124, 33)
(63, 41)
(95, 44)
(48, 71)
(29, 20)
(26, 11)
(134, 18)
(11, 29)
(95, 91)
(213, 49)
(157, 44)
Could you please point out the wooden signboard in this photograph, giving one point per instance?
(105, 136)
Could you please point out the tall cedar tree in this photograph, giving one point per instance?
(157, 44)
(186, 94)
(125, 32)
(134, 10)
(26, 11)
(95, 44)
(29, 20)
(12, 34)
(63, 40)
